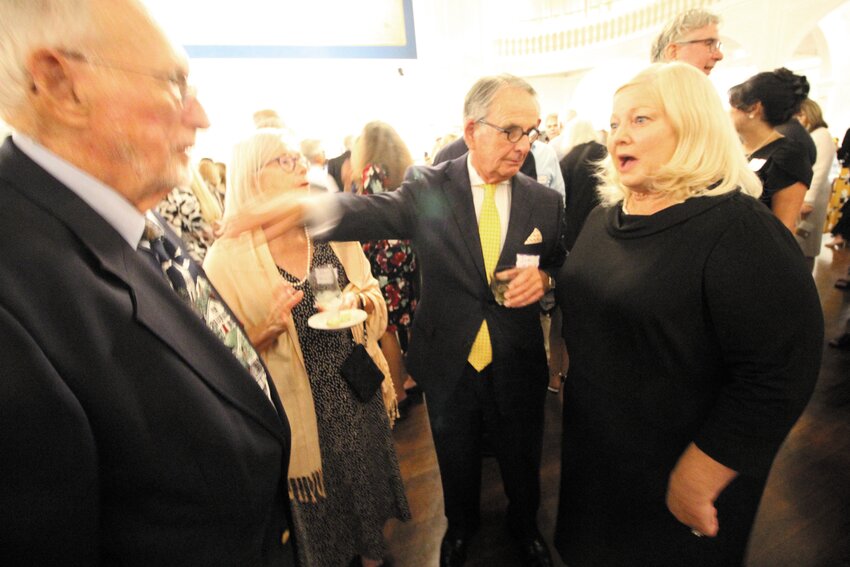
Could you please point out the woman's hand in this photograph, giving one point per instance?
(350, 300)
(695, 483)
(284, 298)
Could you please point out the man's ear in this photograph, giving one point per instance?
(671, 52)
(54, 87)
(469, 134)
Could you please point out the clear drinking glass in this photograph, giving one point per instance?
(498, 286)
(323, 280)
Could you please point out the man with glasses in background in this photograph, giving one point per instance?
(691, 37)
(137, 424)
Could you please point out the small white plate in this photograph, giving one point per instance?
(335, 320)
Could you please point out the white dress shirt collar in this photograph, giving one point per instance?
(106, 201)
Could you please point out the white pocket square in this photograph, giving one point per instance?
(534, 238)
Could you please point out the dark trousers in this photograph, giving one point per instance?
(515, 435)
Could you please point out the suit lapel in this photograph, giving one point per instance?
(157, 307)
(459, 192)
(179, 328)
(518, 230)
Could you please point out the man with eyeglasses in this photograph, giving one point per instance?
(481, 364)
(447, 211)
(691, 37)
(137, 424)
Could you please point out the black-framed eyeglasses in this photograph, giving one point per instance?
(515, 133)
(178, 81)
(712, 43)
(287, 163)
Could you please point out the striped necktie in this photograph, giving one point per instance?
(490, 233)
(193, 287)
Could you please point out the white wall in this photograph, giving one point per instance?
(331, 98)
(455, 40)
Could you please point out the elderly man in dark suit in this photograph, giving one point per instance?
(481, 364)
(137, 425)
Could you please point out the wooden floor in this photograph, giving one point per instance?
(804, 520)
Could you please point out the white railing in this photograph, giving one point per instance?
(575, 31)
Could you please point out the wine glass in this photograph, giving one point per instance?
(323, 280)
(500, 286)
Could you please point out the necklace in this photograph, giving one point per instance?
(300, 282)
(769, 138)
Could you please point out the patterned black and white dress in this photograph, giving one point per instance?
(362, 479)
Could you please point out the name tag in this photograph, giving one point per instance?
(757, 163)
(527, 261)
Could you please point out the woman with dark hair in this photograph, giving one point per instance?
(759, 105)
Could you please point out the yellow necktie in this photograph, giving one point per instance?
(490, 233)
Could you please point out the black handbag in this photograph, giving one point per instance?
(360, 371)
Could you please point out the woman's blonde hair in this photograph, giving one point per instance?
(207, 201)
(709, 159)
(249, 157)
(379, 144)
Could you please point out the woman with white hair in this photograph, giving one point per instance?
(694, 332)
(344, 480)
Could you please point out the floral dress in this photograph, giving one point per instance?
(393, 264)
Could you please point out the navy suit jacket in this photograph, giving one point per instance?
(130, 435)
(434, 208)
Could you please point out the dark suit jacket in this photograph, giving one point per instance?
(580, 197)
(129, 433)
(434, 208)
(335, 169)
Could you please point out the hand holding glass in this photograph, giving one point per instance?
(498, 285)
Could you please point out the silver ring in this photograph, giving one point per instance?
(697, 533)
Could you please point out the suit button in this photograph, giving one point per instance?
(284, 537)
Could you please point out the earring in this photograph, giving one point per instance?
(751, 116)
